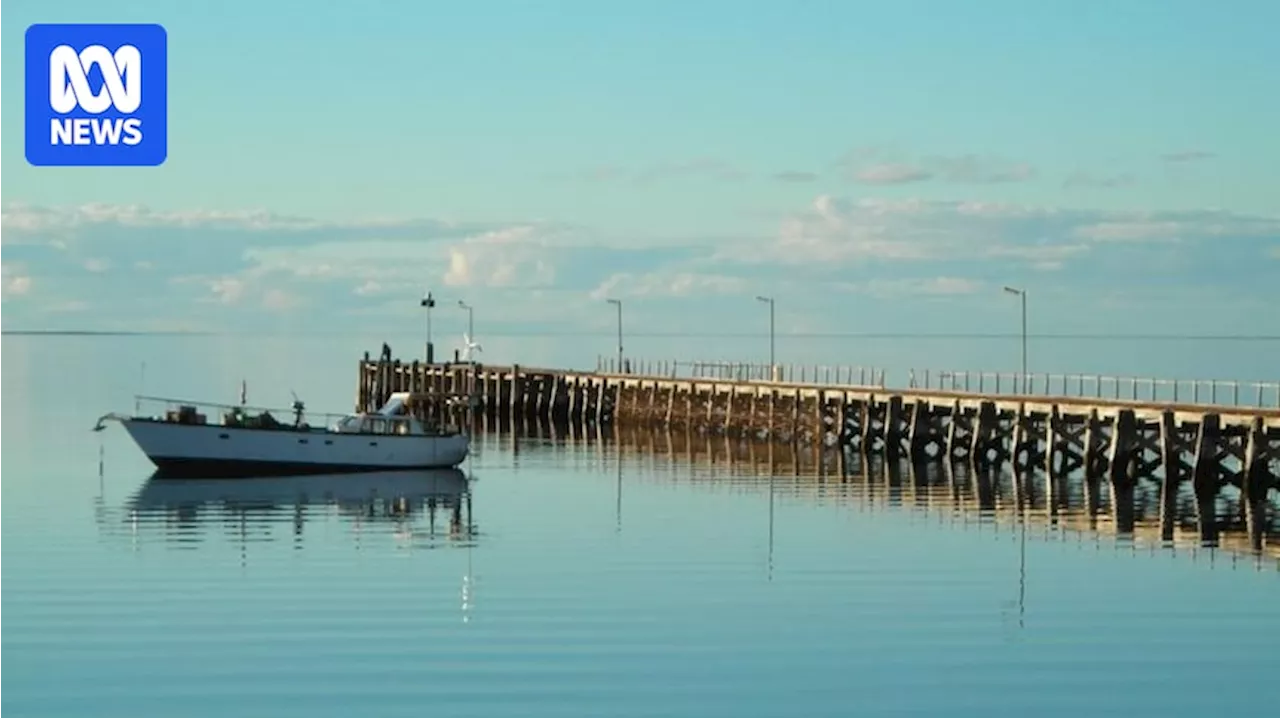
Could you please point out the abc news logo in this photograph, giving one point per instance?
(121, 88)
(96, 95)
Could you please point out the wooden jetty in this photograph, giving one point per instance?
(1188, 443)
(822, 474)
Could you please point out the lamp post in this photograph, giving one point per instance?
(429, 302)
(1022, 295)
(618, 302)
(772, 368)
(1022, 519)
(471, 329)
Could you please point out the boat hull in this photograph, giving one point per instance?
(213, 450)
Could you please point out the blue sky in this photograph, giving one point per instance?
(875, 166)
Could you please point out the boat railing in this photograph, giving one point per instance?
(184, 411)
(205, 412)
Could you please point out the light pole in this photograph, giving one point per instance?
(769, 301)
(1022, 294)
(618, 302)
(1022, 519)
(1022, 544)
(471, 329)
(429, 302)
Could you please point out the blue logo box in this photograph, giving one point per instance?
(97, 95)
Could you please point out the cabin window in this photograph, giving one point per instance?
(379, 426)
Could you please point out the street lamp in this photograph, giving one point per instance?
(1022, 545)
(1022, 294)
(618, 302)
(769, 301)
(471, 329)
(429, 302)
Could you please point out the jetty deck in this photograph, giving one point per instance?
(1183, 437)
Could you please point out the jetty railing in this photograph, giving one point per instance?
(1216, 392)
(815, 374)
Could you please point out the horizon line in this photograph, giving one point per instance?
(659, 334)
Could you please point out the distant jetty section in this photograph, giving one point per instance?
(1202, 436)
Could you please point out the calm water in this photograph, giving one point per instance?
(642, 575)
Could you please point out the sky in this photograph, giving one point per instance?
(872, 166)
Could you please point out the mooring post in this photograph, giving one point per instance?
(1205, 476)
(1121, 476)
(1253, 482)
(955, 416)
(514, 400)
(984, 428)
(866, 407)
(1092, 477)
(1053, 432)
(893, 428)
(918, 434)
(1171, 458)
(1020, 467)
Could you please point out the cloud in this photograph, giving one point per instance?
(886, 166)
(69, 306)
(712, 168)
(930, 286)
(257, 269)
(792, 176)
(16, 282)
(1187, 156)
(1087, 180)
(852, 242)
(975, 169)
(892, 174)
(671, 283)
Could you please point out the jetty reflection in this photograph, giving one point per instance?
(426, 507)
(1001, 499)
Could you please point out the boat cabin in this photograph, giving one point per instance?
(392, 418)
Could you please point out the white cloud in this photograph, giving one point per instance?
(25, 218)
(278, 300)
(932, 286)
(704, 167)
(1187, 156)
(892, 174)
(369, 288)
(69, 306)
(1089, 180)
(228, 290)
(668, 284)
(509, 257)
(237, 268)
(16, 282)
(847, 232)
(883, 166)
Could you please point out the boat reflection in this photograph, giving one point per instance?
(263, 509)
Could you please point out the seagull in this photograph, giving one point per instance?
(468, 346)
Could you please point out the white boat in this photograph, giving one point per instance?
(242, 443)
